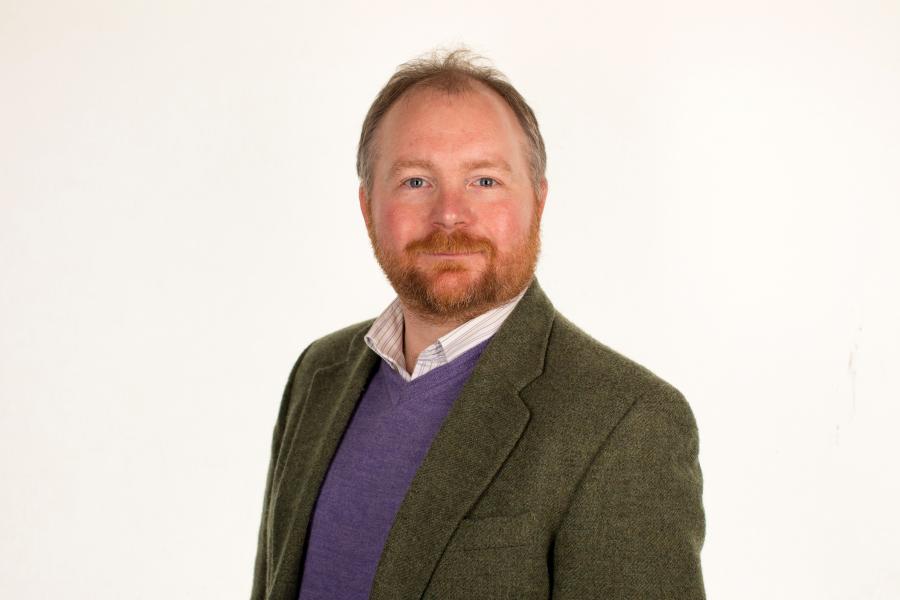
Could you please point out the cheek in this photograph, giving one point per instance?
(396, 226)
(508, 226)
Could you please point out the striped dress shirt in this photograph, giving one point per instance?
(385, 338)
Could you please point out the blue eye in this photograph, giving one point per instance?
(414, 182)
(486, 181)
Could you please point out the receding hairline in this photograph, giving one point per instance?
(466, 86)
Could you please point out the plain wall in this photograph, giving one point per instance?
(178, 220)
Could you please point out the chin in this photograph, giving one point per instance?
(455, 282)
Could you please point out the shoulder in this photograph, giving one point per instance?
(592, 382)
(588, 362)
(335, 347)
(326, 351)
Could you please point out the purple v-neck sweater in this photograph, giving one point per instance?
(384, 444)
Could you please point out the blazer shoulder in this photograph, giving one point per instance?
(592, 370)
(587, 391)
(335, 346)
(328, 350)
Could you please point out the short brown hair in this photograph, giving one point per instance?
(452, 72)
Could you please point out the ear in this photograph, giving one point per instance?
(541, 197)
(364, 205)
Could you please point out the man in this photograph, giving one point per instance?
(471, 442)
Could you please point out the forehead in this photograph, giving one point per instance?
(427, 120)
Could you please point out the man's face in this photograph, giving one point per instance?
(453, 214)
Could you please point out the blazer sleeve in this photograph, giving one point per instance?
(635, 527)
(261, 567)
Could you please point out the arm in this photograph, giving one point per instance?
(635, 526)
(261, 568)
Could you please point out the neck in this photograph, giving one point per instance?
(420, 332)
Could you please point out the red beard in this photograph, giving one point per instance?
(450, 290)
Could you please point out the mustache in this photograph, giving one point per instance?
(456, 242)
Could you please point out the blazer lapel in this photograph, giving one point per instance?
(327, 407)
(477, 435)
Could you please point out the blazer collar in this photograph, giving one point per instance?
(477, 435)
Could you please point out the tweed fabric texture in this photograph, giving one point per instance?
(563, 470)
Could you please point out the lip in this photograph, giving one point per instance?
(451, 255)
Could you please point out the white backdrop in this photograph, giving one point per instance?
(179, 220)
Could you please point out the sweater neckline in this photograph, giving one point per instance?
(438, 377)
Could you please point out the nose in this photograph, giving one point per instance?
(451, 209)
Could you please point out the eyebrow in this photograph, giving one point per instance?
(411, 164)
(498, 163)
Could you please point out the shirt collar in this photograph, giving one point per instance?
(385, 338)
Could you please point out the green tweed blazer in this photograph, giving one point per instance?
(563, 470)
